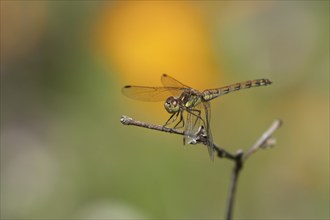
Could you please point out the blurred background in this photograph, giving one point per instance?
(65, 154)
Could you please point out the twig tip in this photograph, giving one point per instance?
(125, 120)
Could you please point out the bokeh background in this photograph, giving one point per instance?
(65, 154)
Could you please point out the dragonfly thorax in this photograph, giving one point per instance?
(172, 105)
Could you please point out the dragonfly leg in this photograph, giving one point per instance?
(198, 115)
(171, 120)
(181, 120)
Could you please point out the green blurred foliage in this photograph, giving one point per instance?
(64, 153)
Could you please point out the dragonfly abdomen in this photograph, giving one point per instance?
(214, 93)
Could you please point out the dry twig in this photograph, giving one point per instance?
(239, 158)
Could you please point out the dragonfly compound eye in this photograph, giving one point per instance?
(171, 105)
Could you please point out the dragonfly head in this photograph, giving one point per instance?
(172, 105)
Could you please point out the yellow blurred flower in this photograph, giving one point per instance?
(145, 38)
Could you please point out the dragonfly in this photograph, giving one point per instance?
(189, 107)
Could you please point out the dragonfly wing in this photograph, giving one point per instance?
(207, 111)
(197, 117)
(169, 81)
(192, 124)
(149, 94)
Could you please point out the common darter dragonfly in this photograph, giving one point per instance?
(189, 108)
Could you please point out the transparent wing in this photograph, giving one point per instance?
(207, 111)
(197, 117)
(150, 94)
(193, 122)
(169, 81)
